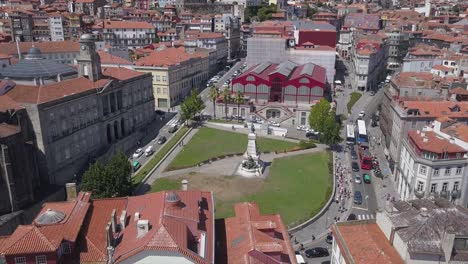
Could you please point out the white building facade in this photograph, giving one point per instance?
(56, 28)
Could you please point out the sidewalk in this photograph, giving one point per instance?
(385, 187)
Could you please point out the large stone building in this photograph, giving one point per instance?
(175, 73)
(229, 26)
(130, 34)
(77, 116)
(433, 163)
(282, 93)
(353, 23)
(64, 52)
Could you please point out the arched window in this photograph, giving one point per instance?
(250, 79)
(304, 80)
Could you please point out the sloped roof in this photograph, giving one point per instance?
(248, 240)
(168, 57)
(107, 58)
(45, 47)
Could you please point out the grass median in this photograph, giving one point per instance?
(158, 156)
(354, 98)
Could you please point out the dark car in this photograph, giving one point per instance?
(161, 140)
(329, 239)
(354, 154)
(355, 166)
(352, 217)
(357, 197)
(316, 252)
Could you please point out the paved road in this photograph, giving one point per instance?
(317, 243)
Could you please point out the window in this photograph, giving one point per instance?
(413, 124)
(20, 260)
(455, 186)
(422, 170)
(444, 186)
(42, 259)
(458, 155)
(458, 171)
(436, 172)
(433, 187)
(448, 171)
(66, 248)
(158, 90)
(420, 186)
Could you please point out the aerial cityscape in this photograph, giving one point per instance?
(234, 131)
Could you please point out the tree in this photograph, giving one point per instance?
(331, 133)
(226, 100)
(111, 180)
(264, 13)
(318, 115)
(213, 95)
(239, 99)
(191, 106)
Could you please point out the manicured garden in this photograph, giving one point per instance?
(210, 142)
(354, 98)
(140, 175)
(297, 187)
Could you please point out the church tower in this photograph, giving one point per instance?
(89, 63)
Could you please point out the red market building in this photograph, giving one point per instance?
(282, 93)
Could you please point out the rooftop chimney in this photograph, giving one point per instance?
(423, 212)
(423, 134)
(123, 219)
(184, 185)
(109, 235)
(425, 139)
(452, 141)
(137, 216)
(71, 191)
(114, 221)
(110, 255)
(142, 227)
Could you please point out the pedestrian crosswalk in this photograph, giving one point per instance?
(365, 216)
(173, 121)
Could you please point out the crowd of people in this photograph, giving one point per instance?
(342, 192)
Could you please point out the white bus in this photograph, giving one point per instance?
(350, 138)
(362, 133)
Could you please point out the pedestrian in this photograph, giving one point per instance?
(302, 246)
(313, 237)
(295, 240)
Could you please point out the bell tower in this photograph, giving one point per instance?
(89, 63)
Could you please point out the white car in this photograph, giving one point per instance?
(357, 179)
(362, 114)
(137, 153)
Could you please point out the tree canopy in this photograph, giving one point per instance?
(318, 114)
(110, 180)
(191, 106)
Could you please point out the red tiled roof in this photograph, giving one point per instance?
(7, 130)
(441, 68)
(120, 73)
(47, 238)
(459, 91)
(84, 1)
(414, 79)
(457, 130)
(116, 24)
(45, 47)
(168, 57)
(54, 91)
(371, 247)
(6, 103)
(436, 108)
(433, 143)
(254, 238)
(107, 58)
(4, 56)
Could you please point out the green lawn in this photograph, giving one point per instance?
(354, 98)
(227, 121)
(210, 142)
(297, 188)
(158, 156)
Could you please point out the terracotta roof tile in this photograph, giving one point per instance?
(168, 57)
(7, 130)
(457, 130)
(248, 241)
(121, 73)
(6, 103)
(45, 47)
(371, 247)
(433, 143)
(436, 108)
(115, 24)
(107, 58)
(441, 68)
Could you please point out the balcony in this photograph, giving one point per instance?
(418, 194)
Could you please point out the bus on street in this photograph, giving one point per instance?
(362, 133)
(350, 138)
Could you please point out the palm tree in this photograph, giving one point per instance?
(226, 99)
(213, 95)
(239, 99)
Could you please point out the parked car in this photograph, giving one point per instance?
(137, 153)
(161, 140)
(354, 154)
(357, 179)
(173, 128)
(329, 239)
(362, 114)
(366, 178)
(372, 93)
(357, 197)
(299, 258)
(351, 217)
(136, 165)
(316, 252)
(149, 151)
(355, 166)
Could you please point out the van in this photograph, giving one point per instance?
(136, 165)
(173, 128)
(357, 197)
(149, 151)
